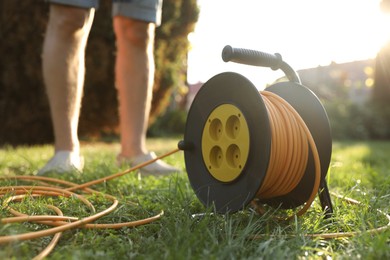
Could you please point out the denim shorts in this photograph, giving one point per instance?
(145, 10)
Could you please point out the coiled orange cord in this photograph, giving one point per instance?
(289, 151)
(62, 223)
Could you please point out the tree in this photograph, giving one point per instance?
(379, 121)
(381, 91)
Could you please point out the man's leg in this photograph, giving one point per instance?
(134, 80)
(63, 72)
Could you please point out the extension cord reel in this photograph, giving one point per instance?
(227, 139)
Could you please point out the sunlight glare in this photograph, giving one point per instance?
(307, 33)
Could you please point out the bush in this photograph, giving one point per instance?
(172, 123)
(24, 110)
(353, 121)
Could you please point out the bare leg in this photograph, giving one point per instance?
(63, 70)
(134, 80)
(63, 73)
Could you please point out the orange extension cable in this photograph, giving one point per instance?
(62, 223)
(290, 140)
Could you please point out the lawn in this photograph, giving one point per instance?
(360, 170)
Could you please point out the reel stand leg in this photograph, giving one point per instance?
(325, 200)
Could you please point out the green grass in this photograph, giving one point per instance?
(360, 170)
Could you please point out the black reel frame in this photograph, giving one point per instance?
(233, 88)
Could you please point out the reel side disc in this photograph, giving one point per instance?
(227, 140)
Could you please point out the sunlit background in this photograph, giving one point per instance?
(307, 33)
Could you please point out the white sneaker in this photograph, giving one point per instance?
(63, 161)
(158, 167)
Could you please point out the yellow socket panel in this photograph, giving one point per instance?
(225, 143)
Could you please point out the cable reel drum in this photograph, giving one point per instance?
(227, 139)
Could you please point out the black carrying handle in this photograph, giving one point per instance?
(252, 57)
(261, 59)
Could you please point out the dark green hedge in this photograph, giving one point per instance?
(24, 111)
(358, 122)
